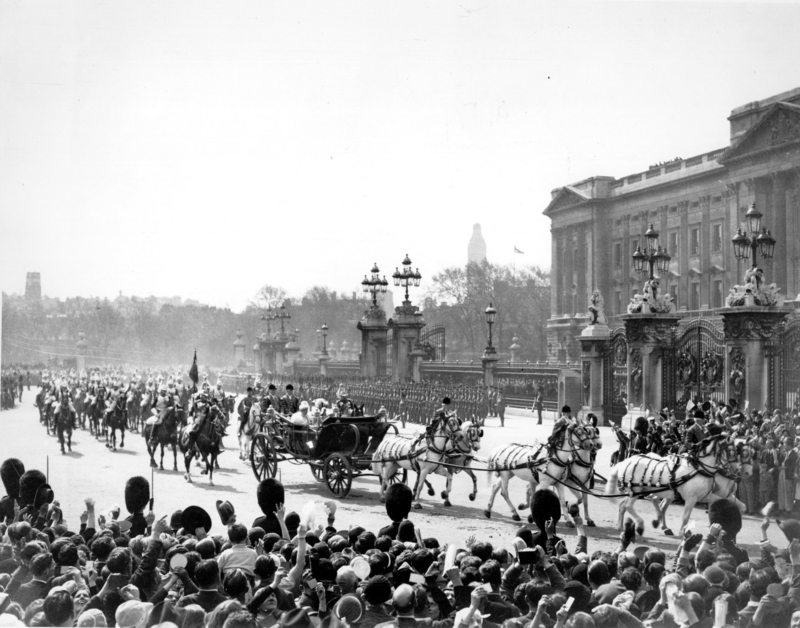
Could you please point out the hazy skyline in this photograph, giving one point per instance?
(205, 149)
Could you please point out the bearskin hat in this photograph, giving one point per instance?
(269, 494)
(791, 528)
(699, 414)
(544, 506)
(137, 494)
(29, 484)
(11, 471)
(195, 517)
(727, 515)
(640, 425)
(398, 501)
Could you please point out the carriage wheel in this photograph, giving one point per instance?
(263, 457)
(338, 475)
(396, 477)
(316, 471)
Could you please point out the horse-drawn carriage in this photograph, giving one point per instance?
(339, 450)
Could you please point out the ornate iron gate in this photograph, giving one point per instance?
(433, 340)
(790, 366)
(698, 363)
(615, 378)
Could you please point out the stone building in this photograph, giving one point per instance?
(696, 205)
(33, 287)
(476, 250)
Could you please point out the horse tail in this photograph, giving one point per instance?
(611, 485)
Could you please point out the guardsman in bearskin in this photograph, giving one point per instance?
(137, 494)
(289, 403)
(11, 471)
(399, 498)
(34, 494)
(546, 511)
(270, 496)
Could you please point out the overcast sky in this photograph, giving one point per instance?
(204, 149)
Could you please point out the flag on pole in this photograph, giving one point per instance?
(516, 250)
(193, 375)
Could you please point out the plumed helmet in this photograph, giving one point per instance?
(10, 472)
(726, 514)
(791, 528)
(640, 425)
(137, 494)
(398, 501)
(544, 506)
(29, 488)
(269, 494)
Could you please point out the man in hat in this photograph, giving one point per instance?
(11, 471)
(137, 495)
(343, 404)
(35, 496)
(500, 405)
(271, 400)
(289, 403)
(562, 423)
(244, 407)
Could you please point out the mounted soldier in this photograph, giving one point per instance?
(164, 403)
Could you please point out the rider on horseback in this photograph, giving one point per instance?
(564, 422)
(164, 404)
(201, 405)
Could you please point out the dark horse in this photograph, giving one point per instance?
(79, 401)
(64, 419)
(134, 408)
(95, 412)
(166, 434)
(116, 420)
(206, 445)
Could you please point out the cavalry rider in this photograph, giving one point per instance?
(219, 393)
(289, 403)
(164, 403)
(201, 405)
(245, 405)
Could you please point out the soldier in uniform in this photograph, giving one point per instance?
(164, 402)
(245, 405)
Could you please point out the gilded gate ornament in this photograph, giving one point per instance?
(685, 368)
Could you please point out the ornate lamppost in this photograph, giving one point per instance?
(374, 284)
(268, 317)
(406, 277)
(647, 261)
(490, 314)
(324, 329)
(282, 315)
(758, 239)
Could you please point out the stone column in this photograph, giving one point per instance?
(406, 326)
(323, 364)
(489, 360)
(750, 333)
(647, 335)
(374, 328)
(594, 341)
(683, 245)
(238, 348)
(80, 352)
(779, 229)
(257, 358)
(555, 263)
(705, 252)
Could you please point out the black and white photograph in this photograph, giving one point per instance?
(357, 314)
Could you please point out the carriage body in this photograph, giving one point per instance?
(340, 449)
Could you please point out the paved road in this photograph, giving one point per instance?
(93, 470)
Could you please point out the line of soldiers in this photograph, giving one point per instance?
(12, 383)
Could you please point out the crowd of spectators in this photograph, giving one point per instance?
(293, 570)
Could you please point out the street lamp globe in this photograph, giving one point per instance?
(639, 260)
(766, 243)
(753, 218)
(490, 314)
(741, 245)
(651, 235)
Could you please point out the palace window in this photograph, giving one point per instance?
(716, 238)
(694, 241)
(673, 244)
(694, 295)
(716, 293)
(617, 254)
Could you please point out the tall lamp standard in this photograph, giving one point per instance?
(268, 317)
(759, 239)
(282, 315)
(324, 329)
(406, 277)
(374, 284)
(490, 314)
(652, 258)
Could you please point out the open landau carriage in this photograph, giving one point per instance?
(339, 450)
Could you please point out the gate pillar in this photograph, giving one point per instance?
(595, 343)
(374, 328)
(80, 352)
(649, 336)
(752, 368)
(406, 326)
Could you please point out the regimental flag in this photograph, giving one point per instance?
(193, 374)
(516, 250)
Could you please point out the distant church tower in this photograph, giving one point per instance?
(476, 251)
(33, 287)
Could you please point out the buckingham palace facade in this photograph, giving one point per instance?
(696, 205)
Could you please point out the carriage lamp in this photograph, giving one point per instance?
(653, 257)
(490, 313)
(758, 240)
(374, 284)
(406, 277)
(324, 329)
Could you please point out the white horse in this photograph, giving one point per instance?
(692, 475)
(461, 461)
(248, 431)
(423, 454)
(541, 466)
